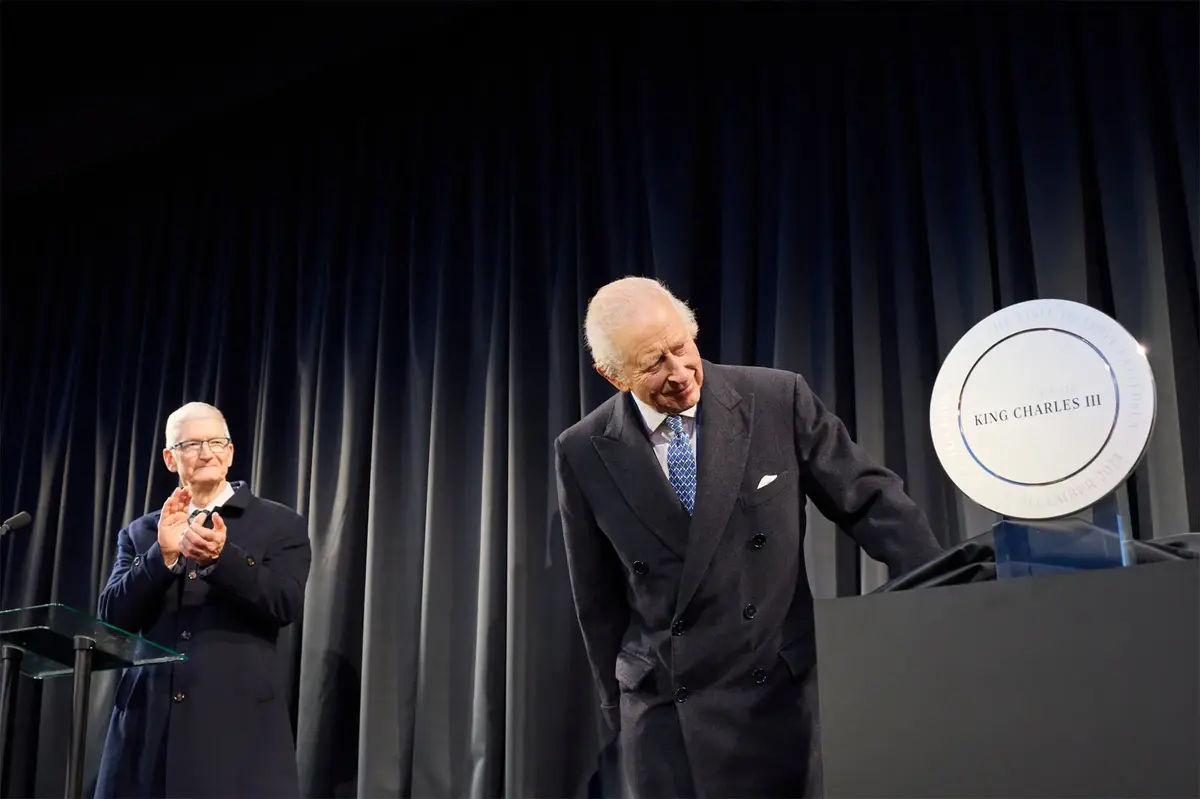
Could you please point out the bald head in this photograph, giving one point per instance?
(642, 339)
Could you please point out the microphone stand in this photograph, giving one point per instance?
(10, 667)
(15, 522)
(5, 529)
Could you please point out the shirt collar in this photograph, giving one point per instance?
(653, 419)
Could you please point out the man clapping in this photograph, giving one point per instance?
(215, 574)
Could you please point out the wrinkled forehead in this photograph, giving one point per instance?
(208, 427)
(652, 331)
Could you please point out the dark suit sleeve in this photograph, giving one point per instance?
(862, 497)
(597, 586)
(135, 586)
(272, 591)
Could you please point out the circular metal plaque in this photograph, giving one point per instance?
(1042, 409)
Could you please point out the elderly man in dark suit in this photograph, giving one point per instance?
(215, 574)
(682, 501)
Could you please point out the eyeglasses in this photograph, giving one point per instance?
(193, 447)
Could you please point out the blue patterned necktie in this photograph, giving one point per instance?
(681, 464)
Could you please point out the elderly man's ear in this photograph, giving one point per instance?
(616, 381)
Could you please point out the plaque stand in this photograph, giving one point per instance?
(1067, 685)
(1029, 548)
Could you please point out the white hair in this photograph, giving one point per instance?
(189, 413)
(613, 305)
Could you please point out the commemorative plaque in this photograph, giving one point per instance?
(1040, 412)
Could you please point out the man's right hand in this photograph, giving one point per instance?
(172, 524)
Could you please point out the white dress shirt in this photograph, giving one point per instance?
(660, 433)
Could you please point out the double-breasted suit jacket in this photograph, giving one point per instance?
(216, 725)
(699, 629)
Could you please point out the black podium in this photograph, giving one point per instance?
(54, 640)
(1072, 685)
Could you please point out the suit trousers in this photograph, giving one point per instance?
(814, 782)
(660, 759)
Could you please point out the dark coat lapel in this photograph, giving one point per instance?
(629, 458)
(723, 444)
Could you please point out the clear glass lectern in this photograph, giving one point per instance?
(55, 640)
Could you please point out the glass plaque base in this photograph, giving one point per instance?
(1035, 548)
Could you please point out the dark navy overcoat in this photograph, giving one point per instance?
(216, 725)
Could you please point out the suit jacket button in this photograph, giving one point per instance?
(137, 559)
(758, 541)
(249, 561)
(759, 675)
(639, 567)
(192, 574)
(186, 635)
(749, 611)
(179, 697)
(678, 627)
(681, 694)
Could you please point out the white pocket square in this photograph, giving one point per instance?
(767, 479)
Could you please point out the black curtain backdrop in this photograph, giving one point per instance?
(380, 275)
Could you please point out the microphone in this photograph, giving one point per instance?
(15, 523)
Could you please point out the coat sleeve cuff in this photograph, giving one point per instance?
(157, 568)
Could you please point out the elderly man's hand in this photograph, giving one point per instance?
(201, 545)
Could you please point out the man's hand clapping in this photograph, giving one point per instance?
(200, 544)
(172, 523)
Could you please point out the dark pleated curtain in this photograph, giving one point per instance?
(380, 275)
